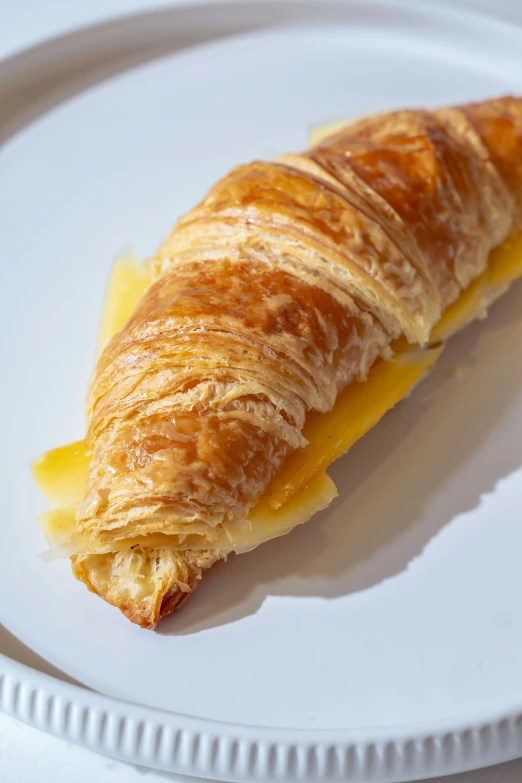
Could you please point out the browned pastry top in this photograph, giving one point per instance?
(285, 284)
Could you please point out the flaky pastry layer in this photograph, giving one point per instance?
(282, 287)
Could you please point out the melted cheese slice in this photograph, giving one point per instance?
(128, 281)
(62, 473)
(358, 408)
(301, 488)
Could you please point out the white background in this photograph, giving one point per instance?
(27, 755)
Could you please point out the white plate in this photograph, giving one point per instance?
(383, 639)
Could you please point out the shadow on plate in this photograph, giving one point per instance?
(422, 466)
(15, 649)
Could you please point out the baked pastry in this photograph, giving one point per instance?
(302, 298)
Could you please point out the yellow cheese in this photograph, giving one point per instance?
(61, 474)
(504, 267)
(301, 488)
(268, 523)
(358, 408)
(505, 262)
(128, 281)
(470, 305)
(59, 525)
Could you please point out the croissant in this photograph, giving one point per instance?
(293, 283)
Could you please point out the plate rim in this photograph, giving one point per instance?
(215, 750)
(238, 752)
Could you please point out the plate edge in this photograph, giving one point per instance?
(215, 750)
(220, 751)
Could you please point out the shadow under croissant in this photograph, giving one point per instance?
(399, 486)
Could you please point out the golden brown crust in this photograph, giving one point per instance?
(433, 171)
(288, 207)
(280, 288)
(497, 124)
(144, 584)
(198, 401)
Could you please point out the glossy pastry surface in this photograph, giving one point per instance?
(291, 282)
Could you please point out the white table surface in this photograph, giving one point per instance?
(28, 755)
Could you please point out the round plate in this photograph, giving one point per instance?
(382, 640)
